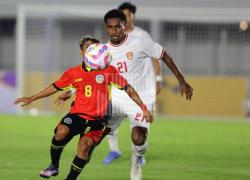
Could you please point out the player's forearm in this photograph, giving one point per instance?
(171, 65)
(47, 91)
(157, 67)
(135, 97)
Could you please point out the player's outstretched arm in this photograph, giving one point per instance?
(185, 88)
(47, 91)
(136, 98)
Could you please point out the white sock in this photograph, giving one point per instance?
(139, 151)
(113, 141)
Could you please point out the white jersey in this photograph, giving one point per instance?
(143, 35)
(140, 33)
(132, 58)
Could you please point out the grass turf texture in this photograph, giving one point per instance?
(178, 150)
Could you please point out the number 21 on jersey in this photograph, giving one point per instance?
(122, 67)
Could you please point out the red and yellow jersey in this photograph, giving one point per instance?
(92, 89)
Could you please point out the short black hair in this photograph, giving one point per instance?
(129, 6)
(87, 38)
(114, 13)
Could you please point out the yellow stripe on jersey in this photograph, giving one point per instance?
(109, 91)
(116, 85)
(68, 87)
(88, 68)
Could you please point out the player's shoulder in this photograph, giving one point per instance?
(133, 38)
(136, 41)
(138, 29)
(141, 33)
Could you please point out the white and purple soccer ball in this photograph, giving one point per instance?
(97, 56)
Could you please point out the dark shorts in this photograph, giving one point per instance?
(90, 128)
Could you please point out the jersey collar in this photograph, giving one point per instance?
(86, 68)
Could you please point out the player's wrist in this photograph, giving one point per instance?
(181, 80)
(158, 78)
(144, 107)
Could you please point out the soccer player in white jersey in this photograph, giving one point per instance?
(129, 11)
(130, 57)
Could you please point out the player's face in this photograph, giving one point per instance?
(115, 29)
(85, 46)
(130, 18)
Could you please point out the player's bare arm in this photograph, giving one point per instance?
(185, 88)
(136, 98)
(47, 91)
(157, 69)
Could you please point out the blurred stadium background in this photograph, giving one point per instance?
(209, 41)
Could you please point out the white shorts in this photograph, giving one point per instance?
(128, 108)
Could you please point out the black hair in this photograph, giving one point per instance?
(87, 38)
(114, 13)
(129, 6)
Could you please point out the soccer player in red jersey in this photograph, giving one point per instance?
(87, 114)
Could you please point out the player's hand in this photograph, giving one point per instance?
(147, 116)
(62, 98)
(186, 89)
(158, 87)
(24, 101)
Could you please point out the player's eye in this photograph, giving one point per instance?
(110, 27)
(118, 27)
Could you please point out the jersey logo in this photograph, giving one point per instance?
(130, 55)
(99, 79)
(67, 120)
(78, 80)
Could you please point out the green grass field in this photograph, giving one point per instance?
(178, 150)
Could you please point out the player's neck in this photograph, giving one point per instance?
(129, 29)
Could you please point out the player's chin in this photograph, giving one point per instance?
(115, 38)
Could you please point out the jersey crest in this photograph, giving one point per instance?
(130, 55)
(99, 79)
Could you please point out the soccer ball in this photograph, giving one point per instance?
(97, 56)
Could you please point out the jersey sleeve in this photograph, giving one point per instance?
(116, 79)
(152, 49)
(65, 80)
